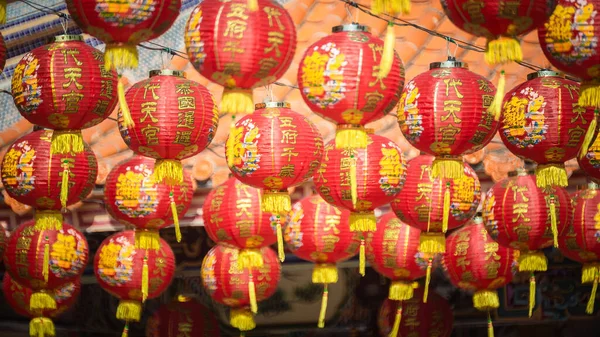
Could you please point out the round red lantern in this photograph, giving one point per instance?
(589, 159)
(361, 180)
(133, 197)
(237, 287)
(172, 118)
(2, 52)
(232, 215)
(43, 260)
(133, 275)
(542, 121)
(64, 86)
(122, 25)
(444, 112)
(339, 79)
(415, 318)
(436, 205)
(273, 149)
(32, 175)
(240, 49)
(183, 316)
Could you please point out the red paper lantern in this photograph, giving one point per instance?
(338, 78)
(361, 180)
(2, 53)
(122, 25)
(273, 149)
(237, 287)
(64, 86)
(133, 275)
(589, 160)
(183, 317)
(172, 118)
(240, 49)
(34, 176)
(542, 121)
(444, 112)
(232, 215)
(436, 205)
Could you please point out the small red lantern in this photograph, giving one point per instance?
(133, 275)
(64, 86)
(43, 260)
(436, 205)
(133, 197)
(542, 121)
(444, 112)
(122, 25)
(172, 118)
(273, 149)
(339, 79)
(361, 180)
(240, 49)
(232, 215)
(237, 287)
(32, 175)
(183, 317)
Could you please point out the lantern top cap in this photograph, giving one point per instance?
(544, 73)
(272, 105)
(520, 172)
(450, 63)
(68, 37)
(167, 72)
(352, 27)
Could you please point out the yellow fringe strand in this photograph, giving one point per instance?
(64, 186)
(127, 121)
(48, 220)
(490, 325)
(280, 249)
(41, 327)
(253, 5)
(145, 279)
(590, 94)
(242, 319)
(363, 222)
(250, 258)
(168, 171)
(325, 273)
(401, 291)
(41, 301)
(387, 56)
(2, 12)
(503, 50)
(486, 300)
(432, 243)
(252, 295)
(553, 221)
(129, 311)
(351, 137)
(361, 258)
(353, 183)
(447, 168)
(276, 202)
(427, 280)
(121, 57)
(589, 309)
(66, 142)
(589, 136)
(147, 239)
(175, 217)
(397, 320)
(125, 332)
(323, 312)
(531, 294)
(533, 261)
(46, 262)
(496, 107)
(551, 175)
(390, 6)
(446, 209)
(237, 101)
(589, 272)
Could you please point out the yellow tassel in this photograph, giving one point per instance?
(495, 107)
(432, 243)
(590, 305)
(387, 56)
(41, 326)
(41, 301)
(531, 294)
(46, 261)
(276, 202)
(390, 6)
(351, 137)
(64, 186)
(553, 221)
(401, 291)
(589, 136)
(127, 121)
(589, 272)
(2, 12)
(252, 295)
(121, 57)
(242, 319)
(353, 182)
(325, 273)
(175, 217)
(363, 222)
(280, 250)
(125, 332)
(250, 258)
(253, 5)
(503, 50)
(427, 280)
(590, 94)
(145, 280)
(533, 261)
(237, 101)
(447, 168)
(397, 320)
(129, 311)
(446, 210)
(490, 325)
(323, 311)
(361, 258)
(48, 220)
(486, 300)
(66, 142)
(551, 175)
(147, 239)
(168, 171)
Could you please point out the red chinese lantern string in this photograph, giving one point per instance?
(183, 316)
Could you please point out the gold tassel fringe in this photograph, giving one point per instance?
(387, 56)
(490, 325)
(253, 5)
(397, 320)
(48, 220)
(237, 101)
(590, 94)
(551, 175)
(589, 272)
(276, 202)
(250, 258)
(323, 312)
(503, 50)
(447, 168)
(168, 171)
(590, 305)
(125, 332)
(390, 6)
(129, 311)
(553, 221)
(427, 280)
(175, 217)
(363, 222)
(401, 291)
(446, 209)
(533, 261)
(252, 295)
(145, 279)
(2, 12)
(46, 262)
(64, 186)
(127, 121)
(147, 239)
(353, 182)
(432, 243)
(486, 300)
(41, 301)
(496, 107)
(361, 259)
(41, 327)
(348, 137)
(280, 249)
(589, 136)
(66, 142)
(121, 57)
(531, 294)
(325, 273)
(242, 319)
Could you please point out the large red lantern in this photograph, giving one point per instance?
(183, 317)
(32, 175)
(444, 112)
(232, 215)
(43, 260)
(172, 118)
(339, 79)
(361, 180)
(133, 275)
(122, 25)
(542, 121)
(436, 205)
(237, 287)
(273, 149)
(240, 49)
(64, 86)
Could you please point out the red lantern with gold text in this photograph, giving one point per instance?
(542, 121)
(273, 149)
(64, 86)
(318, 232)
(172, 118)
(122, 25)
(32, 175)
(444, 112)
(520, 215)
(133, 197)
(240, 48)
(232, 215)
(589, 157)
(339, 79)
(238, 288)
(183, 316)
(133, 275)
(475, 262)
(436, 205)
(433, 318)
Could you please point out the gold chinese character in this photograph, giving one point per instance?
(150, 132)
(183, 138)
(423, 212)
(572, 88)
(331, 222)
(520, 210)
(484, 85)
(454, 84)
(183, 89)
(509, 9)
(100, 108)
(72, 75)
(373, 98)
(186, 102)
(275, 39)
(579, 111)
(73, 54)
(152, 87)
(452, 107)
(424, 191)
(449, 133)
(474, 7)
(329, 242)
(478, 137)
(232, 68)
(106, 88)
(274, 14)
(289, 152)
(376, 49)
(72, 100)
(289, 136)
(287, 171)
(147, 109)
(559, 24)
(186, 119)
(377, 78)
(245, 227)
(575, 135)
(519, 190)
(265, 67)
(238, 11)
(286, 122)
(462, 262)
(234, 48)
(235, 29)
